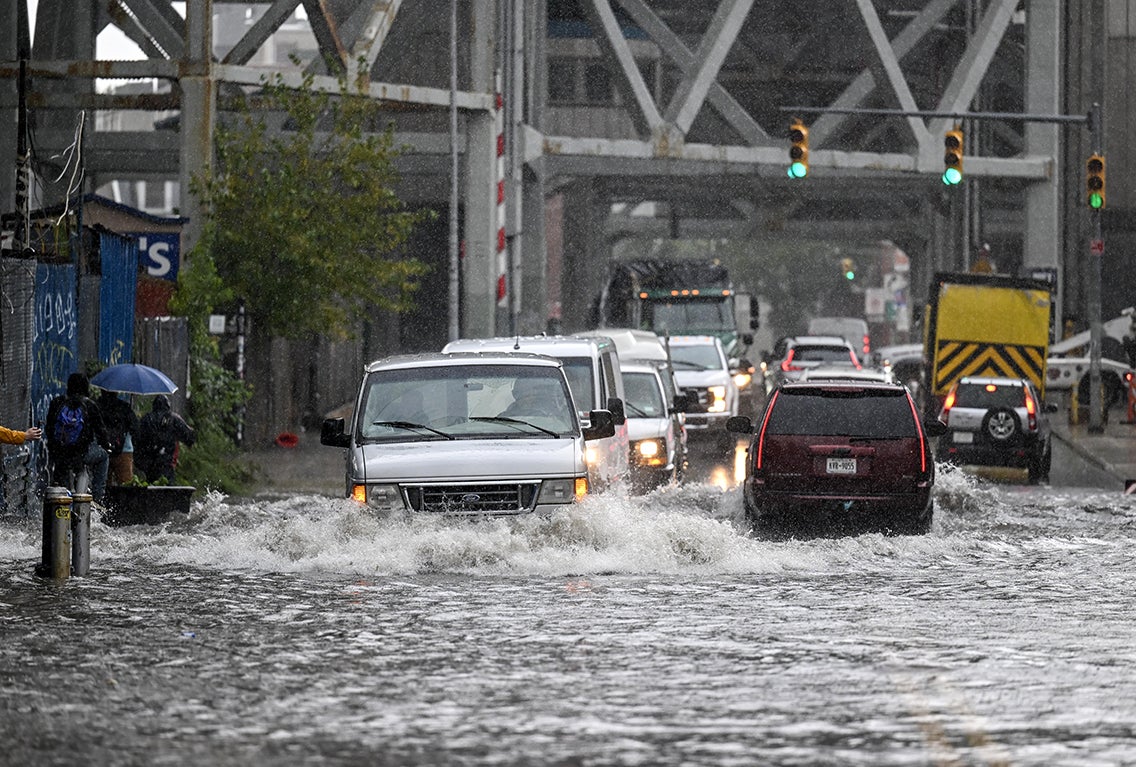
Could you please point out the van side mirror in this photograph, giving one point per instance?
(739, 424)
(332, 433)
(602, 424)
(615, 406)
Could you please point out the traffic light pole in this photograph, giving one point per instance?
(1096, 253)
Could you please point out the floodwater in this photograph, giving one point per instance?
(647, 631)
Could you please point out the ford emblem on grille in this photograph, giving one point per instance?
(470, 498)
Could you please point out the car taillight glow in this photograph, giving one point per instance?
(761, 434)
(1031, 411)
(788, 365)
(922, 439)
(948, 403)
(856, 362)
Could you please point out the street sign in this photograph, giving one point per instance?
(1096, 247)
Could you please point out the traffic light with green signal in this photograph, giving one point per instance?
(952, 157)
(1094, 181)
(798, 150)
(848, 268)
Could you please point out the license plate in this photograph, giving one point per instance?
(964, 437)
(841, 466)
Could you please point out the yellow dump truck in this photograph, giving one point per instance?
(985, 325)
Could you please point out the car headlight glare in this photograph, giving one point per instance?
(741, 380)
(718, 399)
(648, 448)
(591, 455)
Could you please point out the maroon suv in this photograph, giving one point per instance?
(839, 455)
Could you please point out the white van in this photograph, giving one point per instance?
(445, 433)
(592, 368)
(657, 438)
(852, 329)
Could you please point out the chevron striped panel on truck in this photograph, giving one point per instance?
(965, 358)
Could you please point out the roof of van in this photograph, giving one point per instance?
(442, 359)
(554, 345)
(631, 343)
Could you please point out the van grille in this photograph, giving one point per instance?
(504, 498)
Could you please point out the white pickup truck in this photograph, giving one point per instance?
(1063, 373)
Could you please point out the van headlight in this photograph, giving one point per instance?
(562, 490)
(378, 496)
(649, 452)
(717, 402)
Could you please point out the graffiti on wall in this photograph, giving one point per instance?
(55, 334)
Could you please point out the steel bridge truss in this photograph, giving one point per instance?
(704, 137)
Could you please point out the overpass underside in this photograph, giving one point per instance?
(622, 119)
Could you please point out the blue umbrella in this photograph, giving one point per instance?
(134, 379)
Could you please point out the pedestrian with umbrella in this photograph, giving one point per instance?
(129, 446)
(122, 429)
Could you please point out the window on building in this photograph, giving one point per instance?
(597, 84)
(561, 81)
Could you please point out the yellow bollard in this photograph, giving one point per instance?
(56, 553)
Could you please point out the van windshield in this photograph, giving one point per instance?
(465, 402)
(696, 357)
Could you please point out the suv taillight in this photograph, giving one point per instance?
(787, 363)
(1031, 411)
(757, 459)
(924, 448)
(948, 403)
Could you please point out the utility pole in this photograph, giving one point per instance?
(1096, 253)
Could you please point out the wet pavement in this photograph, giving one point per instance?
(1113, 448)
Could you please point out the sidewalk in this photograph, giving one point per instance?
(1114, 449)
(309, 468)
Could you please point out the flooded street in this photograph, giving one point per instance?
(650, 631)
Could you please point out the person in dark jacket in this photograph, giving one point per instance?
(76, 437)
(159, 432)
(122, 429)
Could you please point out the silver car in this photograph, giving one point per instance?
(466, 434)
(997, 422)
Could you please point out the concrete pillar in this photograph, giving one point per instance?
(198, 115)
(533, 272)
(1043, 209)
(479, 263)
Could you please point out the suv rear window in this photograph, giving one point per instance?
(978, 395)
(822, 354)
(843, 412)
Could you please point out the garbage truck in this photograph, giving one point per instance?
(674, 297)
(986, 325)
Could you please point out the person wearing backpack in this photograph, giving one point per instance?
(122, 429)
(159, 432)
(76, 437)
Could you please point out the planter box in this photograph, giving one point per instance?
(146, 505)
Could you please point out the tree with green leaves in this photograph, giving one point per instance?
(305, 229)
(305, 224)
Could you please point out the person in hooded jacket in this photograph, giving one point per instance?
(159, 432)
(122, 429)
(85, 444)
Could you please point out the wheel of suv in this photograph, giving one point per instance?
(1039, 464)
(1001, 424)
